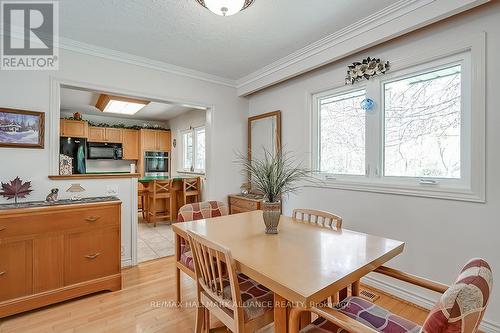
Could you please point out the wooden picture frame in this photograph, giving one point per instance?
(31, 123)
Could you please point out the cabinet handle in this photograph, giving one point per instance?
(92, 256)
(92, 218)
(2, 228)
(2, 273)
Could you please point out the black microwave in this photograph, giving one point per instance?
(104, 151)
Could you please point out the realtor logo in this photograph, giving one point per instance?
(29, 31)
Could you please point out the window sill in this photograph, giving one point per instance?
(191, 173)
(425, 191)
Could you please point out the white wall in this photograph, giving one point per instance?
(31, 90)
(440, 235)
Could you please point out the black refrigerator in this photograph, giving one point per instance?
(75, 148)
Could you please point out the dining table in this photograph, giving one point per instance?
(303, 264)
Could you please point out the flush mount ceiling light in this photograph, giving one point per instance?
(120, 105)
(225, 7)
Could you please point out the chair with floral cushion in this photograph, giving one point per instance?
(460, 308)
(239, 302)
(183, 254)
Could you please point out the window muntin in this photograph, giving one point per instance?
(422, 125)
(342, 133)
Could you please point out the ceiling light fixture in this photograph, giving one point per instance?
(225, 7)
(120, 105)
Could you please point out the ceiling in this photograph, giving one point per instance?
(182, 33)
(84, 102)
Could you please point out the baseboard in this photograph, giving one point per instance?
(425, 302)
(126, 262)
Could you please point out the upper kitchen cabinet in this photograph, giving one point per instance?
(155, 140)
(74, 128)
(105, 134)
(130, 144)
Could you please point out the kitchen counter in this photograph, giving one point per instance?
(40, 204)
(152, 178)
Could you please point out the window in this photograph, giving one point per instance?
(193, 150)
(419, 139)
(342, 134)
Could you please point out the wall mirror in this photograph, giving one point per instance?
(264, 133)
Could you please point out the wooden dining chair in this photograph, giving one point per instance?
(162, 190)
(318, 217)
(239, 302)
(183, 253)
(142, 196)
(191, 188)
(460, 308)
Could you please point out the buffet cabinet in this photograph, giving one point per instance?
(54, 253)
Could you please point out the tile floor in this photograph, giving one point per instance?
(154, 242)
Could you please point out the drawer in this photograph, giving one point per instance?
(58, 221)
(237, 210)
(244, 204)
(91, 254)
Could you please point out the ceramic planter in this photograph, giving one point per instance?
(271, 214)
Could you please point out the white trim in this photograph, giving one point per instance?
(400, 18)
(486, 326)
(127, 262)
(476, 45)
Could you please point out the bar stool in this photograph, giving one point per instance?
(143, 194)
(162, 190)
(191, 187)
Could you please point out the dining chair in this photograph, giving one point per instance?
(318, 217)
(162, 190)
(460, 308)
(191, 188)
(183, 253)
(239, 302)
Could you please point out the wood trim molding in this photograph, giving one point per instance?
(104, 99)
(393, 21)
(96, 176)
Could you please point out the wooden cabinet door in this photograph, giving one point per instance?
(74, 128)
(48, 261)
(130, 145)
(16, 269)
(114, 135)
(97, 134)
(148, 140)
(91, 254)
(163, 140)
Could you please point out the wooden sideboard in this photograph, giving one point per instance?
(240, 204)
(54, 253)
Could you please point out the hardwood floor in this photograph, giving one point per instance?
(146, 304)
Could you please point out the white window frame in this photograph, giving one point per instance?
(192, 169)
(471, 186)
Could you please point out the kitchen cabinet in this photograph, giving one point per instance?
(73, 128)
(54, 253)
(105, 134)
(155, 140)
(130, 144)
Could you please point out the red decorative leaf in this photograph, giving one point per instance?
(16, 188)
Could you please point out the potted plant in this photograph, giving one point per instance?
(274, 176)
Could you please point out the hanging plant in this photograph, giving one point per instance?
(16, 189)
(367, 68)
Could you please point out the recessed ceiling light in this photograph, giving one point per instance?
(120, 105)
(225, 7)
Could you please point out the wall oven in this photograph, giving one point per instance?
(156, 164)
(104, 151)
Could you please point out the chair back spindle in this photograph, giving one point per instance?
(318, 217)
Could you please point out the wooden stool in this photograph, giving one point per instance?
(191, 187)
(144, 205)
(162, 189)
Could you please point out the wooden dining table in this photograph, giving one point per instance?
(303, 264)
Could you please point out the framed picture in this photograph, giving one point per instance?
(21, 129)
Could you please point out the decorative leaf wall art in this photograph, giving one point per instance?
(367, 68)
(16, 189)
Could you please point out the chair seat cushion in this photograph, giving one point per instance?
(256, 298)
(368, 314)
(187, 259)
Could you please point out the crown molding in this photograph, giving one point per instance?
(395, 20)
(97, 51)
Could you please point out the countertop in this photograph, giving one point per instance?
(152, 178)
(38, 204)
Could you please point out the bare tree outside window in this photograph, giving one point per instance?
(342, 134)
(422, 125)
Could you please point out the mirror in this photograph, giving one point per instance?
(264, 133)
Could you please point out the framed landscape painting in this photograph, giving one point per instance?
(22, 129)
